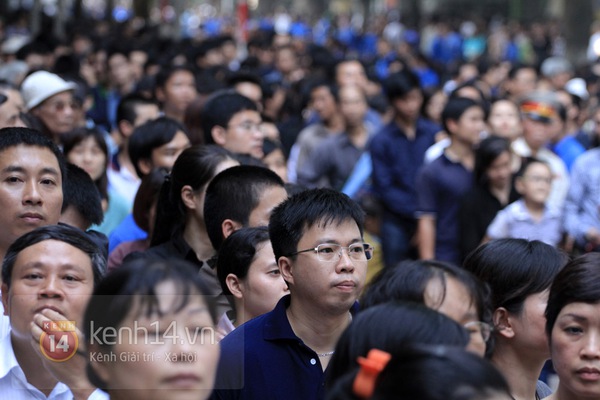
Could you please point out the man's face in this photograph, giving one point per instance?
(469, 126)
(30, 191)
(330, 286)
(57, 113)
(178, 92)
(47, 275)
(243, 134)
(165, 155)
(271, 197)
(351, 73)
(536, 133)
(353, 105)
(323, 102)
(409, 106)
(10, 110)
(119, 69)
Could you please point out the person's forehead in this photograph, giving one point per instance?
(40, 151)
(53, 251)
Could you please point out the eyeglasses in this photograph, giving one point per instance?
(538, 179)
(329, 252)
(247, 126)
(479, 328)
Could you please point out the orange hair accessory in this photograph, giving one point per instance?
(370, 367)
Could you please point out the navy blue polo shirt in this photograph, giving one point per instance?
(440, 188)
(263, 359)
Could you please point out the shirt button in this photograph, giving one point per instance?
(313, 361)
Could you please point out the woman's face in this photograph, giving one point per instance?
(457, 304)
(504, 120)
(529, 327)
(172, 355)
(575, 351)
(88, 155)
(499, 171)
(263, 286)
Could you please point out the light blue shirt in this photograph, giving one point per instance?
(515, 221)
(582, 206)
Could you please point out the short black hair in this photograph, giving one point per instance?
(150, 136)
(17, 136)
(81, 193)
(220, 108)
(126, 110)
(63, 233)
(399, 84)
(455, 108)
(577, 282)
(234, 194)
(290, 220)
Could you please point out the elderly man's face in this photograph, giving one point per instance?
(52, 275)
(57, 113)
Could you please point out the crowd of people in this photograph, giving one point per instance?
(313, 213)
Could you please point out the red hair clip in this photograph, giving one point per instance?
(370, 367)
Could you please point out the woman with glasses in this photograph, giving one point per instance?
(441, 286)
(519, 273)
(573, 328)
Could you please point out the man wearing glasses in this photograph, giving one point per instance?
(317, 238)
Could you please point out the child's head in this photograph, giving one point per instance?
(534, 181)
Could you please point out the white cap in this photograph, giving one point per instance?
(42, 85)
(577, 87)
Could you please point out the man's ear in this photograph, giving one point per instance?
(503, 323)
(229, 226)
(235, 286)
(451, 124)
(145, 165)
(125, 127)
(188, 197)
(4, 289)
(285, 268)
(218, 134)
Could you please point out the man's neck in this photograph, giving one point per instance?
(462, 153)
(318, 330)
(409, 126)
(335, 124)
(29, 361)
